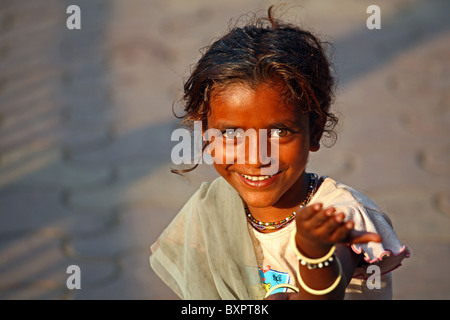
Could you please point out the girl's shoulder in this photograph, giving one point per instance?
(215, 193)
(215, 188)
(215, 200)
(335, 193)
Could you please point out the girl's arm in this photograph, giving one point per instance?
(318, 231)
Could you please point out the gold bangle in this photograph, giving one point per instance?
(309, 260)
(324, 291)
(282, 285)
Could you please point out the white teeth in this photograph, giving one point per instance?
(256, 178)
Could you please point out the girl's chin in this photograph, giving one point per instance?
(258, 199)
(257, 193)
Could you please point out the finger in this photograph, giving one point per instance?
(318, 219)
(342, 232)
(346, 234)
(305, 213)
(355, 237)
(331, 224)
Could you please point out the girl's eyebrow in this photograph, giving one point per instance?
(288, 123)
(285, 124)
(225, 125)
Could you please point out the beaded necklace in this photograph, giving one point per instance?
(259, 225)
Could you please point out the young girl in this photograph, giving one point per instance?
(284, 234)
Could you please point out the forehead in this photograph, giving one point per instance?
(239, 102)
(242, 92)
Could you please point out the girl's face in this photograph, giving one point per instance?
(240, 107)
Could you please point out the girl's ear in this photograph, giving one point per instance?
(206, 146)
(314, 145)
(206, 140)
(316, 133)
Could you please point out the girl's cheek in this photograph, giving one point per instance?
(295, 152)
(217, 150)
(227, 153)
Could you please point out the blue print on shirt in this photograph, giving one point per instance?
(270, 278)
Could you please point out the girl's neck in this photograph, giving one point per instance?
(289, 203)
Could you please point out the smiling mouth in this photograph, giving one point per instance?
(258, 181)
(256, 178)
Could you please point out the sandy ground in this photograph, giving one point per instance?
(86, 119)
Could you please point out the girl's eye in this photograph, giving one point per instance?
(279, 133)
(231, 134)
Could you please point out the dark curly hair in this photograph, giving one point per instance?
(266, 50)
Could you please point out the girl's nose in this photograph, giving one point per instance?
(259, 146)
(257, 150)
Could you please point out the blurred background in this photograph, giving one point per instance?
(86, 118)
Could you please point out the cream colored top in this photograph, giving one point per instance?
(208, 251)
(278, 264)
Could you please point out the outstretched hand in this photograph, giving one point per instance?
(318, 229)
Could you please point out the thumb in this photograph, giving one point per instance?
(362, 237)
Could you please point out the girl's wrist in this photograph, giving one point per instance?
(312, 249)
